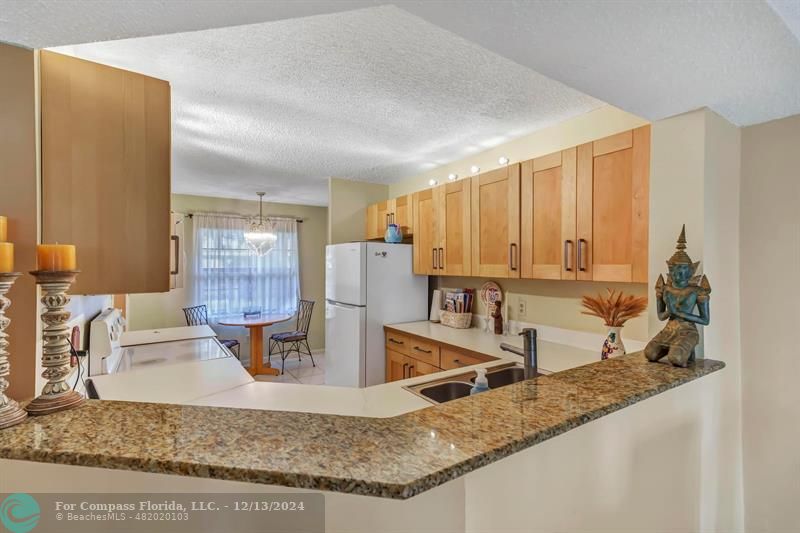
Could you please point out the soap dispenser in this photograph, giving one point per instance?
(481, 383)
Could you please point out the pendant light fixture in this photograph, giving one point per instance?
(261, 236)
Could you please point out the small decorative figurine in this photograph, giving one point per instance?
(497, 315)
(676, 300)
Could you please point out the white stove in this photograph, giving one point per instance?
(171, 365)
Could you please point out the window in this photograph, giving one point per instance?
(230, 279)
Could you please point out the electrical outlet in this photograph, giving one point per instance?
(522, 308)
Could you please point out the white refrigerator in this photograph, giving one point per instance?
(367, 285)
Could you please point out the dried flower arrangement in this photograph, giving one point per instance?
(615, 308)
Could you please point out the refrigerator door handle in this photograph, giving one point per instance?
(342, 304)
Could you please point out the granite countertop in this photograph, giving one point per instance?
(396, 457)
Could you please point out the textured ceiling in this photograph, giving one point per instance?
(789, 10)
(655, 58)
(374, 94)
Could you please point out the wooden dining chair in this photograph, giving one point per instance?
(198, 316)
(292, 341)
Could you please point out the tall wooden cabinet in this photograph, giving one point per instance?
(495, 223)
(442, 241)
(106, 143)
(401, 211)
(426, 237)
(613, 197)
(548, 205)
(453, 215)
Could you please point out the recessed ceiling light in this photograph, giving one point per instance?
(474, 169)
(503, 160)
(433, 182)
(452, 177)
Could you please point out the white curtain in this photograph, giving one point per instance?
(230, 279)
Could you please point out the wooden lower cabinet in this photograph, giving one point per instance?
(418, 368)
(451, 359)
(399, 366)
(396, 366)
(408, 356)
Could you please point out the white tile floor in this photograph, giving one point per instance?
(298, 371)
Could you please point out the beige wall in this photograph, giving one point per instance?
(148, 311)
(555, 303)
(694, 180)
(599, 123)
(347, 202)
(770, 250)
(19, 202)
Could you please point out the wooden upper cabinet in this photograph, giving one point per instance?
(547, 220)
(372, 222)
(613, 207)
(454, 228)
(495, 223)
(106, 146)
(395, 211)
(383, 213)
(426, 239)
(402, 214)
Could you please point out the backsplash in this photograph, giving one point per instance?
(553, 303)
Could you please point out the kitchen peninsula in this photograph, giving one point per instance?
(397, 457)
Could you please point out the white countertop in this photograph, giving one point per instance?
(390, 399)
(153, 336)
(553, 357)
(379, 401)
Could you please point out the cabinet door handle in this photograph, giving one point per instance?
(176, 242)
(458, 362)
(441, 258)
(395, 341)
(512, 256)
(567, 255)
(405, 367)
(411, 371)
(417, 348)
(581, 242)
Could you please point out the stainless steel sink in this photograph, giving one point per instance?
(454, 387)
(506, 376)
(447, 391)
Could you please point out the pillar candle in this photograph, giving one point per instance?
(3, 229)
(6, 257)
(55, 257)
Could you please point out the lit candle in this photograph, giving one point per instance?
(3, 229)
(55, 257)
(6, 257)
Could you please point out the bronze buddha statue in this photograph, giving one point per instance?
(676, 300)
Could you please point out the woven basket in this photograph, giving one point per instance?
(456, 320)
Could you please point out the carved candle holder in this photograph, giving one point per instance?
(10, 411)
(56, 395)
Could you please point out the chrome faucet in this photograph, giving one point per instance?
(528, 352)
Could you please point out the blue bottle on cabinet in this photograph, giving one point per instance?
(393, 234)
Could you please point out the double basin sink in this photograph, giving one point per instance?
(455, 387)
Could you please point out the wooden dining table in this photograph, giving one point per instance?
(256, 326)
